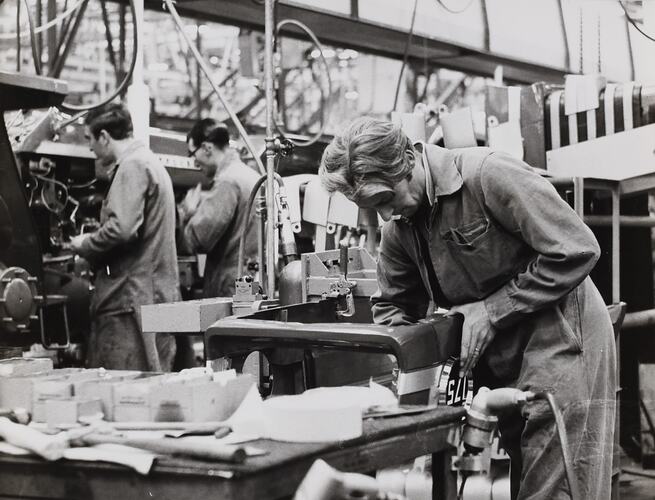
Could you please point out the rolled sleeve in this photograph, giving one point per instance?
(530, 208)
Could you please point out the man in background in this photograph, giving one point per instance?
(214, 214)
(133, 251)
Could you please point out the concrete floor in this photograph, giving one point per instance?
(633, 485)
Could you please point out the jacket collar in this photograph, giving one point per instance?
(134, 145)
(445, 176)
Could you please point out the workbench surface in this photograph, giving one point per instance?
(385, 442)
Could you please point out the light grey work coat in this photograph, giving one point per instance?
(217, 224)
(133, 251)
(498, 232)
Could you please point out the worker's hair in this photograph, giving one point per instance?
(209, 130)
(114, 118)
(369, 157)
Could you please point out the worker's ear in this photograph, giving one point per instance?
(104, 136)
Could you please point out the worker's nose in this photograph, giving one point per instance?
(385, 212)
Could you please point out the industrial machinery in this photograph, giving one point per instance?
(24, 300)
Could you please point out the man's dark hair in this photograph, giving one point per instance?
(209, 130)
(114, 118)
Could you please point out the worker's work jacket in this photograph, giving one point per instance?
(493, 230)
(134, 249)
(496, 231)
(217, 224)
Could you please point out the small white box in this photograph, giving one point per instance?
(13, 367)
(198, 400)
(67, 412)
(132, 398)
(103, 389)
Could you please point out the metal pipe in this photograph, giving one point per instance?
(639, 319)
(269, 37)
(66, 42)
(624, 220)
(51, 37)
(261, 236)
(18, 44)
(207, 71)
(198, 75)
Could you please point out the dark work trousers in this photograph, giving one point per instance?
(578, 366)
(116, 344)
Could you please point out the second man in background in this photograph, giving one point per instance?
(213, 214)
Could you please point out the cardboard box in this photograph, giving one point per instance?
(13, 367)
(103, 389)
(67, 412)
(17, 391)
(131, 398)
(198, 400)
(57, 388)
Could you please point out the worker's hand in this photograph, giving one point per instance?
(75, 243)
(477, 333)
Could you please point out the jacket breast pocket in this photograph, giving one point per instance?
(485, 252)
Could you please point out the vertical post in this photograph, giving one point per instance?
(39, 22)
(198, 75)
(269, 34)
(578, 196)
(102, 68)
(616, 249)
(51, 34)
(138, 94)
(18, 43)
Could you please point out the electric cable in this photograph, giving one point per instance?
(56, 183)
(242, 236)
(70, 108)
(405, 55)
(632, 21)
(453, 11)
(564, 444)
(43, 27)
(324, 115)
(36, 54)
(206, 70)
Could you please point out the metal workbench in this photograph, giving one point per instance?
(385, 442)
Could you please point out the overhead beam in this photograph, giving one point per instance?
(350, 32)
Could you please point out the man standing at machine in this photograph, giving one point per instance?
(133, 250)
(480, 232)
(213, 215)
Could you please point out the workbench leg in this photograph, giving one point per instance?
(616, 248)
(444, 479)
(578, 196)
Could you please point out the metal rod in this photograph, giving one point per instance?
(39, 22)
(67, 41)
(207, 71)
(110, 40)
(261, 237)
(624, 220)
(616, 247)
(198, 75)
(18, 44)
(269, 29)
(52, 35)
(122, 34)
(578, 195)
(639, 319)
